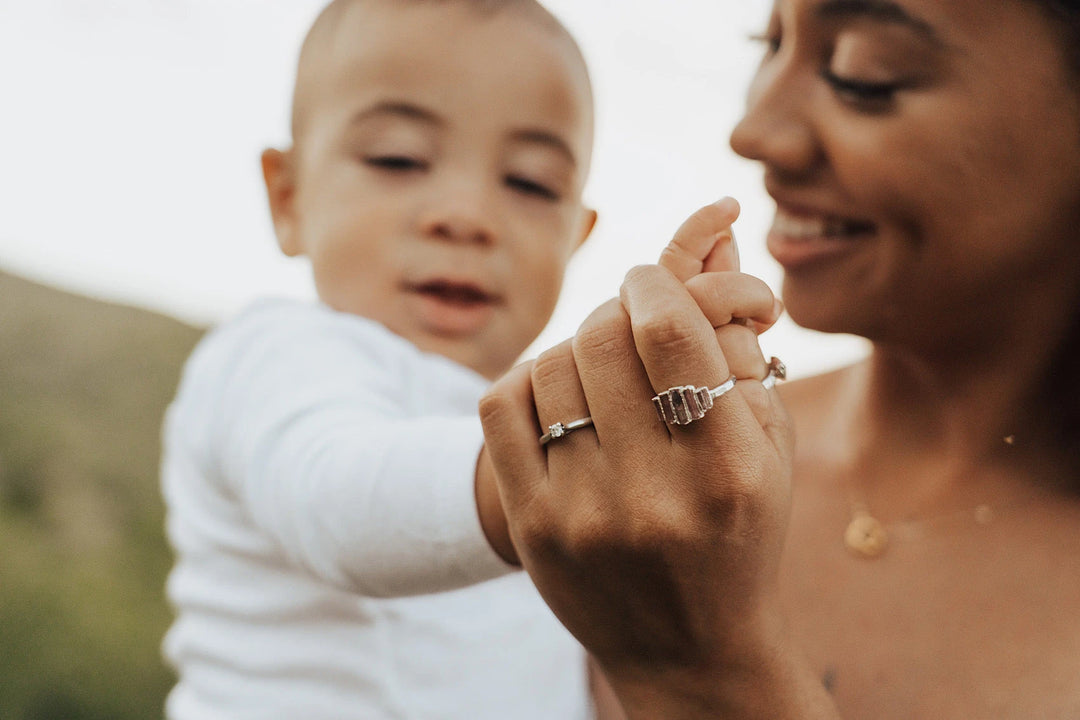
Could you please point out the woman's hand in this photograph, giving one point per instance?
(705, 243)
(657, 545)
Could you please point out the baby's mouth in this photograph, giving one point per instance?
(453, 308)
(454, 293)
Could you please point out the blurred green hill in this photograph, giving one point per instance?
(83, 559)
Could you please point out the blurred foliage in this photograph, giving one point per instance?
(83, 558)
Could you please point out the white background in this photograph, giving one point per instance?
(130, 132)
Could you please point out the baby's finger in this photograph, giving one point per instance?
(705, 240)
(727, 296)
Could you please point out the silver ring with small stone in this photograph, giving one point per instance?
(683, 404)
(559, 429)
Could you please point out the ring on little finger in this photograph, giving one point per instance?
(777, 371)
(683, 404)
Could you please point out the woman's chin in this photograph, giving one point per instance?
(829, 310)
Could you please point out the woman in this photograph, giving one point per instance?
(914, 553)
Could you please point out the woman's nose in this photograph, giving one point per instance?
(777, 128)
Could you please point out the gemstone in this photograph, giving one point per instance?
(557, 430)
(778, 369)
(678, 401)
(665, 407)
(683, 405)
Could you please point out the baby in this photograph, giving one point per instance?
(334, 520)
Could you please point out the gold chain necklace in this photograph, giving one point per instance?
(867, 537)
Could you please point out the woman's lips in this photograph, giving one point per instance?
(448, 307)
(800, 239)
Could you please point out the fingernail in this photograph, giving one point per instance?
(726, 239)
(727, 203)
(778, 308)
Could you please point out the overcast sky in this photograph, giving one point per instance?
(131, 129)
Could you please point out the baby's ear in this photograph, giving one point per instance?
(280, 179)
(588, 222)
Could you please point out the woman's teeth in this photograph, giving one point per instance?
(816, 227)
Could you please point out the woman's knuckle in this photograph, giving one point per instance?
(495, 407)
(536, 527)
(640, 273)
(589, 533)
(657, 527)
(552, 366)
(604, 333)
(667, 332)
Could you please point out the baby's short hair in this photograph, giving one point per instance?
(321, 33)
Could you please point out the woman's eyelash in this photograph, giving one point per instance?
(850, 88)
(860, 90)
(771, 42)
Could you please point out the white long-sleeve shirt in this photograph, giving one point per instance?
(318, 473)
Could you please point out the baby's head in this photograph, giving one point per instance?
(440, 148)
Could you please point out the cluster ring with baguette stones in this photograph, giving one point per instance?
(683, 404)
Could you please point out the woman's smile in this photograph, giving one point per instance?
(797, 238)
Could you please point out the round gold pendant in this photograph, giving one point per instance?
(866, 536)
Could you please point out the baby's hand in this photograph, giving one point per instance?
(704, 243)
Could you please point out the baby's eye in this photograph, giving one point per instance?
(399, 163)
(530, 187)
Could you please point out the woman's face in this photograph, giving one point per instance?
(924, 156)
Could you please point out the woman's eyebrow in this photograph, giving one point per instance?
(883, 11)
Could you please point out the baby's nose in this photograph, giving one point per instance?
(460, 216)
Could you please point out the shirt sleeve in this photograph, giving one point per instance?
(311, 422)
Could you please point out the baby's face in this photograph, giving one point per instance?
(438, 175)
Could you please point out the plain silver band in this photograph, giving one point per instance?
(559, 429)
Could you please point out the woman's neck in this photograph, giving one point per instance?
(980, 376)
(952, 426)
